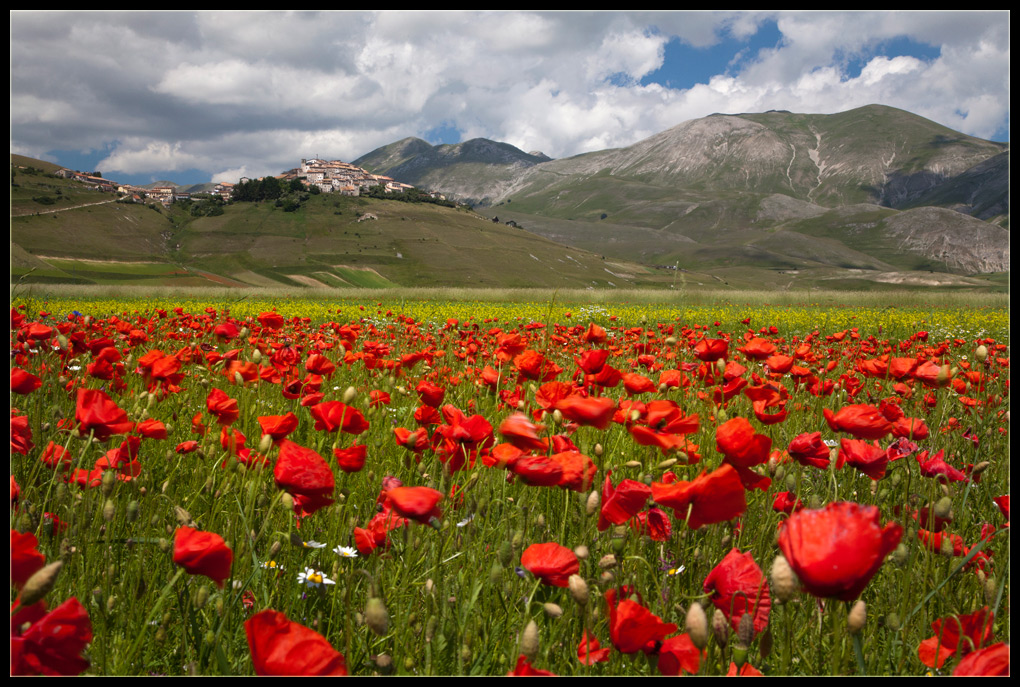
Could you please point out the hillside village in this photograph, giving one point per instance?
(328, 176)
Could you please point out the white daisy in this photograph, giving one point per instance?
(272, 565)
(313, 545)
(313, 578)
(346, 551)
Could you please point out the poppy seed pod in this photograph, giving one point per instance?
(857, 617)
(697, 626)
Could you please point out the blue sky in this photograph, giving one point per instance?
(194, 97)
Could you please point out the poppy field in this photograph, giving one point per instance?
(432, 487)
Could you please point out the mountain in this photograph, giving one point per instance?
(730, 190)
(473, 171)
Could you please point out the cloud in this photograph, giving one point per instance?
(225, 91)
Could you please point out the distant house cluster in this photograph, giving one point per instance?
(334, 176)
(330, 176)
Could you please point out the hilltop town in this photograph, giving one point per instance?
(327, 176)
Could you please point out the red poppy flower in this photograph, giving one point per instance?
(710, 498)
(334, 415)
(809, 450)
(594, 411)
(537, 471)
(743, 448)
(737, 585)
(862, 421)
(420, 504)
(551, 563)
(836, 551)
(203, 553)
(351, 459)
(98, 414)
(21, 435)
(278, 426)
(578, 470)
(679, 654)
(187, 447)
(868, 458)
(621, 503)
(525, 669)
(992, 661)
(56, 456)
(53, 642)
(590, 651)
(222, 406)
(280, 646)
(25, 557)
(430, 394)
(375, 534)
(23, 382)
(522, 433)
(301, 470)
(710, 350)
(787, 502)
(633, 628)
(960, 633)
(937, 467)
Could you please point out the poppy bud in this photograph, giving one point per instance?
(720, 627)
(608, 561)
(183, 517)
(900, 555)
(745, 630)
(581, 552)
(496, 574)
(857, 618)
(944, 508)
(598, 450)
(990, 591)
(784, 580)
(981, 353)
(376, 616)
(552, 610)
(288, 501)
(518, 541)
(238, 379)
(946, 548)
(265, 443)
(593, 503)
(765, 643)
(109, 510)
(980, 467)
(578, 589)
(506, 553)
(349, 394)
(132, 510)
(164, 545)
(39, 584)
(529, 641)
(697, 626)
(109, 480)
(256, 357)
(202, 597)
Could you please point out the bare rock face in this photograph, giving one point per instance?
(962, 243)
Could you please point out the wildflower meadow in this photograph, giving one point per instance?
(453, 487)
